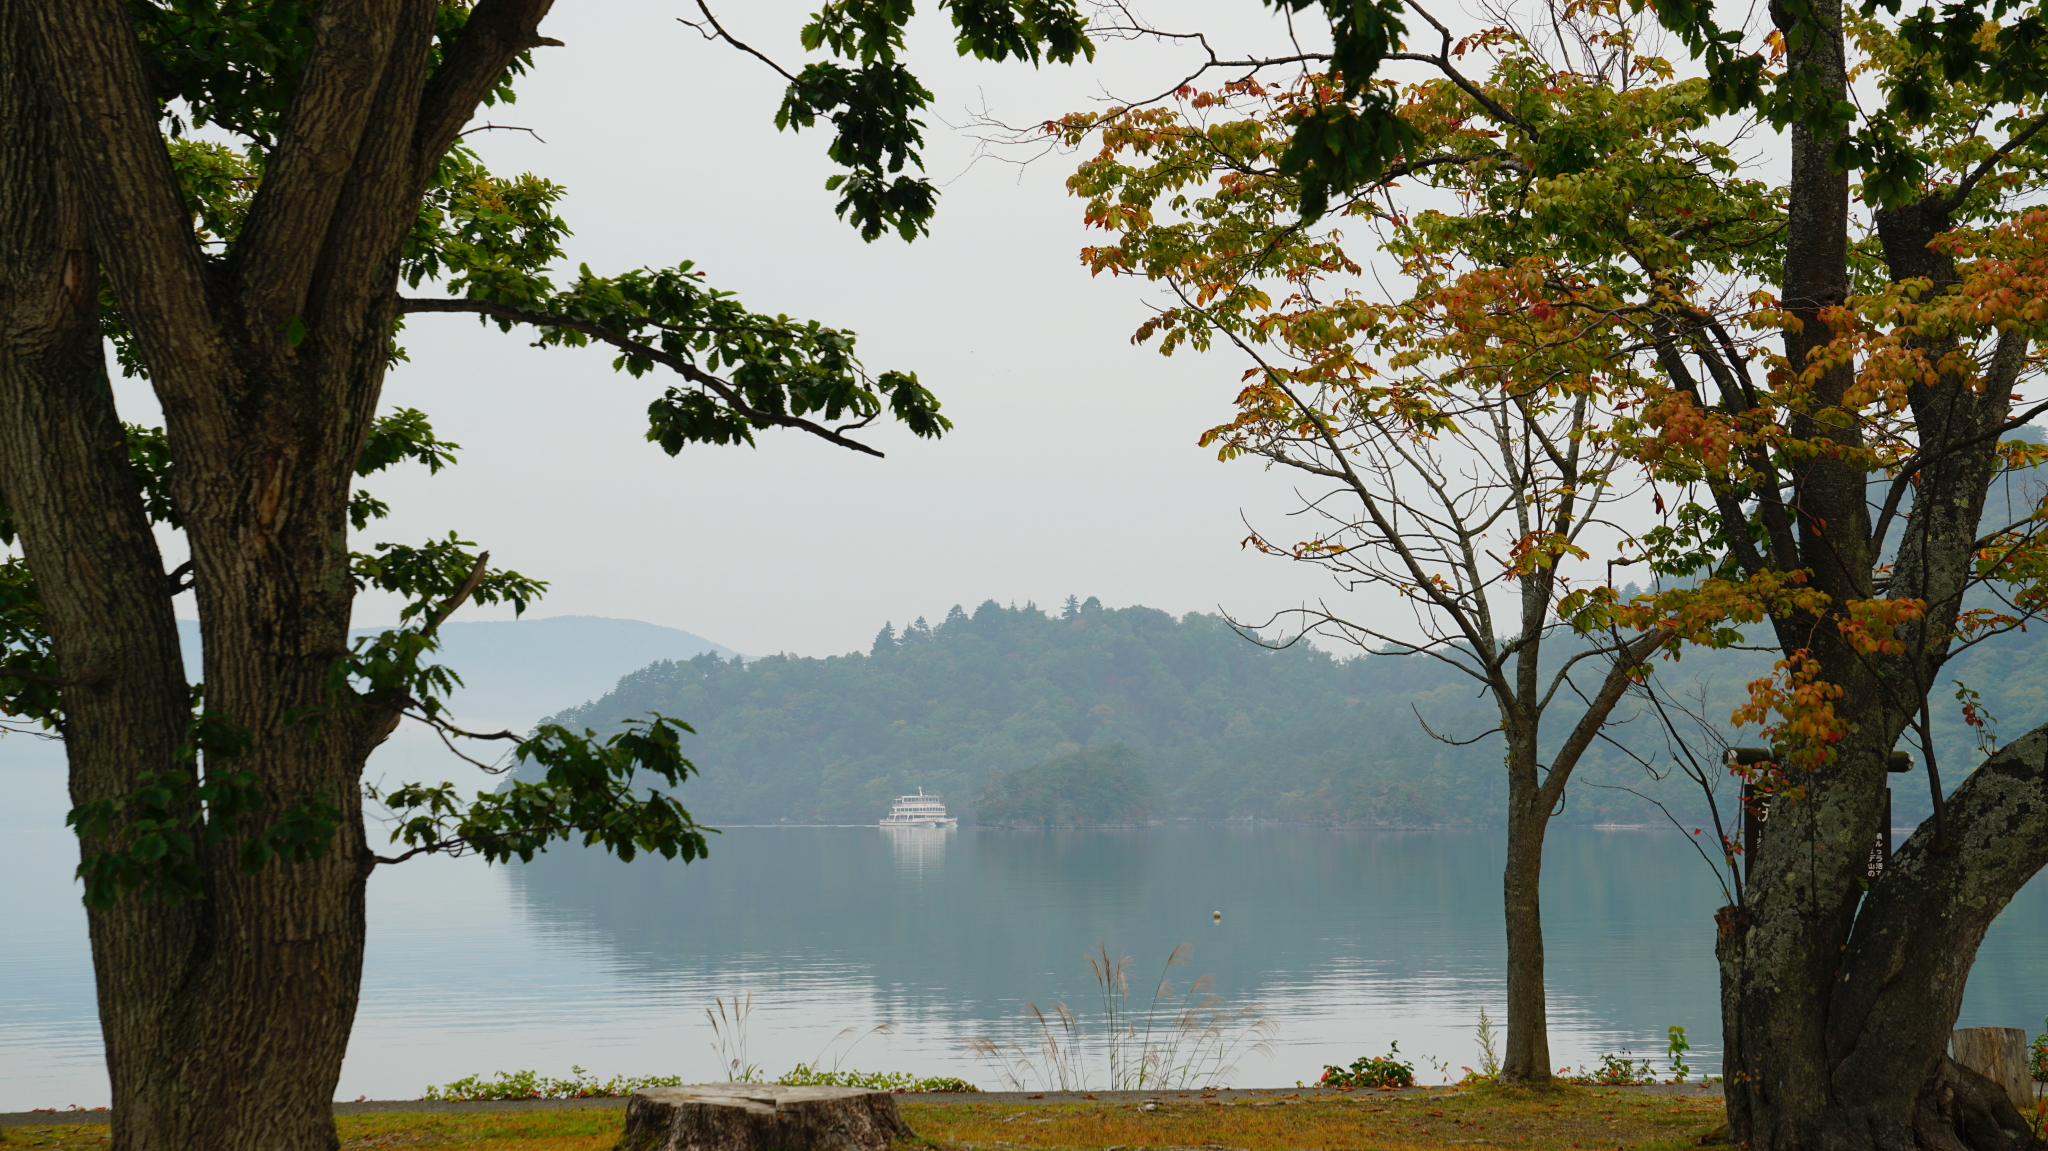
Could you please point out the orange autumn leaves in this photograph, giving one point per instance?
(1562, 239)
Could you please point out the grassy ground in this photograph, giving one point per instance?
(1588, 1118)
(584, 1130)
(1560, 1119)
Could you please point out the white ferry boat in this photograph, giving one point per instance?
(918, 810)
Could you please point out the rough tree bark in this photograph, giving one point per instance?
(225, 1017)
(1837, 1003)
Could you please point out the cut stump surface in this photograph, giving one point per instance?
(2000, 1055)
(760, 1117)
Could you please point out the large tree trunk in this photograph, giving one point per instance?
(226, 1014)
(1837, 1004)
(1879, 1077)
(64, 475)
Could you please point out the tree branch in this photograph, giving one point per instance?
(317, 145)
(449, 606)
(1442, 63)
(496, 33)
(1955, 199)
(1595, 717)
(680, 366)
(90, 66)
(718, 32)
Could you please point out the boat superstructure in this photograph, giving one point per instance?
(918, 810)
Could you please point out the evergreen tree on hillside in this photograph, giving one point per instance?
(1092, 787)
(885, 640)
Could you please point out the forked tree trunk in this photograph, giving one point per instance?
(1855, 1058)
(226, 1016)
(1837, 1003)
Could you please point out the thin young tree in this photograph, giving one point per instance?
(1790, 346)
(1478, 526)
(1456, 436)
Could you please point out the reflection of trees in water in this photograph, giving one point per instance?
(1343, 924)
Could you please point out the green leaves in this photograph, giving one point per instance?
(435, 578)
(151, 841)
(235, 64)
(1953, 49)
(404, 435)
(432, 573)
(876, 132)
(488, 237)
(394, 438)
(1345, 140)
(775, 367)
(1338, 147)
(160, 830)
(229, 64)
(1026, 29)
(873, 104)
(586, 792)
(25, 646)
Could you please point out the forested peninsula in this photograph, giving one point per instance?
(1223, 728)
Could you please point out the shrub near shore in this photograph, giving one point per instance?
(512, 1085)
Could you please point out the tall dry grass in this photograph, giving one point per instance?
(729, 1038)
(1179, 1039)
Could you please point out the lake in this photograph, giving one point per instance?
(1348, 940)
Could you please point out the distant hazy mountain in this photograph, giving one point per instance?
(513, 672)
(1223, 728)
(516, 671)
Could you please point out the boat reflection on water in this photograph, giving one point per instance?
(918, 848)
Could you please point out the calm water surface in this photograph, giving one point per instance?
(1349, 940)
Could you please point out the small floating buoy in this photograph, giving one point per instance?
(1216, 916)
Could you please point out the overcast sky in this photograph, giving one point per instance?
(1073, 468)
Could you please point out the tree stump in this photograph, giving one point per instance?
(760, 1117)
(2000, 1055)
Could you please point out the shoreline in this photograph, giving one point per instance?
(942, 1098)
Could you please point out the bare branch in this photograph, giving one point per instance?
(718, 32)
(501, 128)
(1431, 732)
